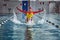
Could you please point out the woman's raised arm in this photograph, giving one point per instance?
(21, 10)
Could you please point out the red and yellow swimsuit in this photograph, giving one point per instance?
(29, 15)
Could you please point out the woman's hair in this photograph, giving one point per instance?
(29, 7)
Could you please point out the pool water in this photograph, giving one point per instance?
(12, 31)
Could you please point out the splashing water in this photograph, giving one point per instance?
(15, 20)
(30, 22)
(43, 19)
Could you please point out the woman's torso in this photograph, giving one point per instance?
(29, 14)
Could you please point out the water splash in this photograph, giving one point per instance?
(15, 20)
(30, 22)
(43, 18)
(41, 21)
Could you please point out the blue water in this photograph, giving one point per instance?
(12, 31)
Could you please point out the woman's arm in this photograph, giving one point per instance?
(21, 10)
(37, 11)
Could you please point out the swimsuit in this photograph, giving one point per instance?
(29, 15)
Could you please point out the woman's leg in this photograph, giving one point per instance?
(31, 18)
(26, 20)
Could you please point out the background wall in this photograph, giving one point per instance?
(4, 5)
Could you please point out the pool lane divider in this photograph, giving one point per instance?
(3, 22)
(57, 26)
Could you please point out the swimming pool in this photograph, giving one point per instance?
(12, 31)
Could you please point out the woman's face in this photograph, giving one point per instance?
(30, 9)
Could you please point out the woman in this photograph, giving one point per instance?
(29, 14)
